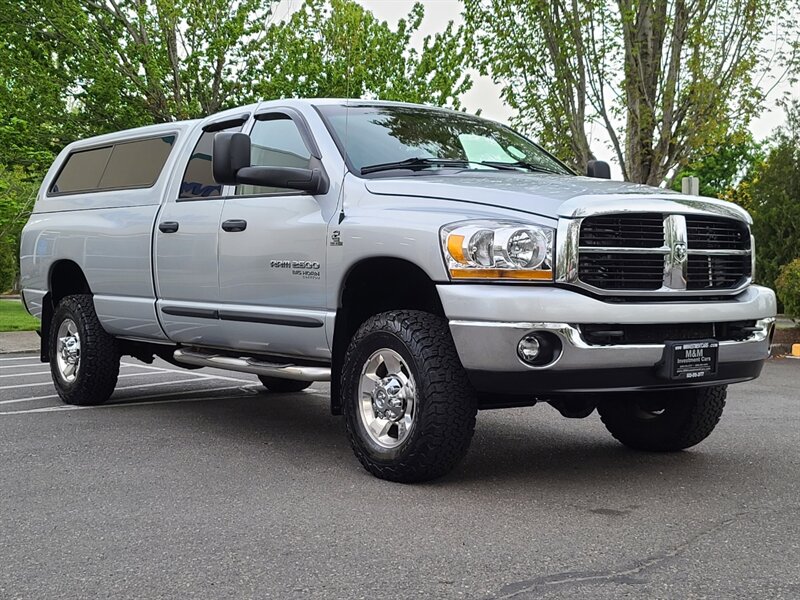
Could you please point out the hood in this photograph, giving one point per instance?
(549, 195)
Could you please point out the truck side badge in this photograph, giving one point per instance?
(336, 238)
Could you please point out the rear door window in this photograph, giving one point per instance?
(198, 179)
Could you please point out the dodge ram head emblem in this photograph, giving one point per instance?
(679, 251)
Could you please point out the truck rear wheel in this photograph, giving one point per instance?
(283, 386)
(408, 405)
(84, 359)
(664, 421)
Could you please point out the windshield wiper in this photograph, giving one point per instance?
(521, 164)
(425, 162)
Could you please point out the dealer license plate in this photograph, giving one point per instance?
(690, 360)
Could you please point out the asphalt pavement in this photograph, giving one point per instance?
(200, 484)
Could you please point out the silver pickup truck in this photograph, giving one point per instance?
(426, 262)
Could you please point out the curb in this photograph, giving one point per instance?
(19, 342)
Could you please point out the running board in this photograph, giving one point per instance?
(252, 365)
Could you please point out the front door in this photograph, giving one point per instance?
(272, 245)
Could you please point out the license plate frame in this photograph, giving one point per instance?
(694, 360)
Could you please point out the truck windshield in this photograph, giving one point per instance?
(379, 138)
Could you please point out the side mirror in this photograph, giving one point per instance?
(230, 165)
(293, 178)
(230, 153)
(598, 169)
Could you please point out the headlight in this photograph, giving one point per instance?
(498, 250)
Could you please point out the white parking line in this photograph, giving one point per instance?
(22, 385)
(20, 358)
(137, 403)
(41, 364)
(25, 374)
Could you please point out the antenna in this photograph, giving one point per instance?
(346, 119)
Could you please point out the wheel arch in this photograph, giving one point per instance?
(65, 277)
(371, 286)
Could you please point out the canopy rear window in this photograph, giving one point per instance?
(125, 165)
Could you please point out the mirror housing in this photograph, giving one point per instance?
(230, 165)
(598, 169)
(306, 180)
(230, 153)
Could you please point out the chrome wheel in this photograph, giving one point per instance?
(68, 355)
(386, 398)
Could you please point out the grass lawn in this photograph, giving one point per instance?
(13, 317)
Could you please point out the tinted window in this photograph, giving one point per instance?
(136, 164)
(275, 143)
(198, 179)
(82, 171)
(124, 165)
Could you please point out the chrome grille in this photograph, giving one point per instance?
(649, 252)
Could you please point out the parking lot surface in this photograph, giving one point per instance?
(200, 484)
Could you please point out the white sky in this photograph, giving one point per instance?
(485, 95)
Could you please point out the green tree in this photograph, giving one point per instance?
(721, 170)
(774, 193)
(338, 49)
(17, 193)
(666, 80)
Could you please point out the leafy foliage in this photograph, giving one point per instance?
(667, 81)
(788, 287)
(338, 49)
(774, 202)
(17, 194)
(723, 169)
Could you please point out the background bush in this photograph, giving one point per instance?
(17, 194)
(788, 288)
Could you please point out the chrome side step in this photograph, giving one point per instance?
(251, 365)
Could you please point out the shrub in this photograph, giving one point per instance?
(788, 288)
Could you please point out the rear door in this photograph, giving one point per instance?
(186, 248)
(272, 248)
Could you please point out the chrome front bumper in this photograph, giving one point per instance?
(487, 323)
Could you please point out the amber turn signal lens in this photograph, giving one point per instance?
(455, 246)
(519, 274)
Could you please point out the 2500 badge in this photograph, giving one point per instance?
(307, 269)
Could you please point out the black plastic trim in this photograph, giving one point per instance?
(249, 317)
(227, 123)
(198, 313)
(241, 316)
(544, 382)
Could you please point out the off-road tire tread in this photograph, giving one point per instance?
(99, 367)
(448, 421)
(277, 385)
(702, 413)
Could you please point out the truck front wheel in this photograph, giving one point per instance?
(84, 358)
(664, 421)
(408, 405)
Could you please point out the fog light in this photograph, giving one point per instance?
(528, 348)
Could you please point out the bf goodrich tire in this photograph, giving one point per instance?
(282, 386)
(408, 405)
(664, 421)
(84, 359)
